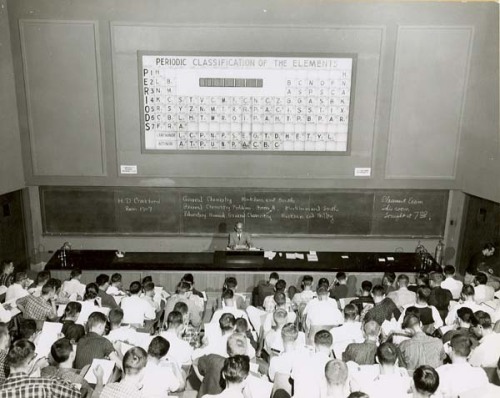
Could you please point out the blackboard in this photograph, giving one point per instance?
(212, 211)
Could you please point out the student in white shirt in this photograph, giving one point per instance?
(74, 286)
(307, 293)
(425, 382)
(292, 351)
(135, 309)
(467, 297)
(323, 311)
(240, 300)
(180, 351)
(17, 289)
(460, 375)
(90, 304)
(118, 332)
(350, 332)
(229, 307)
(450, 283)
(115, 287)
(41, 278)
(482, 291)
(234, 373)
(270, 303)
(161, 376)
(486, 354)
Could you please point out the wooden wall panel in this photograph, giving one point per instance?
(427, 101)
(62, 83)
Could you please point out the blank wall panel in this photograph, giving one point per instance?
(430, 81)
(61, 69)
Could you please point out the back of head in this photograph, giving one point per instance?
(341, 276)
(158, 347)
(323, 338)
(366, 286)
(101, 280)
(482, 319)
(411, 321)
(307, 280)
(371, 329)
(135, 287)
(449, 270)
(336, 372)
(134, 361)
(230, 283)
(96, 319)
(147, 279)
(91, 291)
(436, 278)
(461, 345)
(74, 333)
(468, 291)
(280, 286)
(27, 328)
(323, 282)
(21, 353)
(226, 322)
(423, 294)
(149, 287)
(115, 278)
(241, 325)
(42, 277)
(387, 354)
(426, 380)
(20, 277)
(183, 287)
(182, 307)
(389, 277)
(280, 298)
(73, 308)
(61, 350)
(350, 312)
(481, 278)
(236, 369)
(52, 284)
(378, 291)
(280, 316)
(75, 273)
(174, 319)
(115, 316)
(189, 278)
(274, 276)
(289, 333)
(322, 291)
(423, 279)
(403, 280)
(465, 314)
(227, 295)
(236, 344)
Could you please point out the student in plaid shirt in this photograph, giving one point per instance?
(191, 333)
(21, 359)
(40, 308)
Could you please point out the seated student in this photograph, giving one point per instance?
(339, 289)
(270, 303)
(116, 287)
(149, 296)
(383, 308)
(460, 376)
(27, 330)
(232, 283)
(350, 332)
(134, 363)
(468, 300)
(93, 344)
(229, 306)
(107, 300)
(6, 277)
(491, 390)
(462, 327)
(420, 349)
(281, 303)
(453, 285)
(21, 360)
(382, 380)
(425, 382)
(41, 308)
(195, 304)
(189, 278)
(74, 333)
(242, 326)
(18, 288)
(365, 298)
(482, 291)
(264, 289)
(4, 350)
(486, 354)
(309, 372)
(429, 315)
(234, 373)
(191, 334)
(273, 343)
(209, 366)
(117, 331)
(292, 351)
(403, 297)
(71, 315)
(41, 278)
(439, 297)
(337, 383)
(89, 304)
(5, 313)
(323, 311)
(160, 376)
(180, 351)
(307, 294)
(73, 288)
(364, 353)
(135, 309)
(62, 356)
(388, 280)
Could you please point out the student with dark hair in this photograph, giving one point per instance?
(18, 288)
(90, 303)
(135, 309)
(349, 332)
(453, 285)
(195, 304)
(6, 277)
(41, 308)
(264, 289)
(27, 330)
(119, 332)
(234, 372)
(189, 278)
(107, 300)
(93, 344)
(439, 297)
(71, 315)
(383, 308)
(180, 351)
(74, 333)
(364, 298)
(462, 327)
(402, 297)
(486, 354)
(482, 291)
(429, 315)
(339, 288)
(229, 306)
(467, 300)
(21, 360)
(231, 283)
(74, 288)
(300, 299)
(41, 278)
(269, 302)
(425, 382)
(62, 356)
(115, 287)
(388, 282)
(161, 377)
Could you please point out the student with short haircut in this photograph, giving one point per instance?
(18, 288)
(21, 359)
(425, 382)
(229, 306)
(41, 308)
(234, 372)
(231, 283)
(191, 333)
(135, 309)
(180, 351)
(402, 297)
(336, 375)
(383, 309)
(189, 278)
(292, 351)
(93, 344)
(73, 286)
(339, 289)
(71, 314)
(115, 287)
(6, 277)
(462, 327)
(439, 297)
(270, 303)
(90, 303)
(486, 354)
(134, 363)
(364, 353)
(388, 282)
(161, 377)
(364, 298)
(119, 332)
(322, 311)
(264, 289)
(453, 285)
(429, 315)
(62, 356)
(460, 376)
(41, 278)
(195, 303)
(306, 294)
(482, 291)
(468, 300)
(107, 300)
(350, 332)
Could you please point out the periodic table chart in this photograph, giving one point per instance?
(245, 103)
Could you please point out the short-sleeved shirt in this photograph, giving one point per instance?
(70, 375)
(422, 350)
(21, 385)
(91, 346)
(121, 390)
(36, 308)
